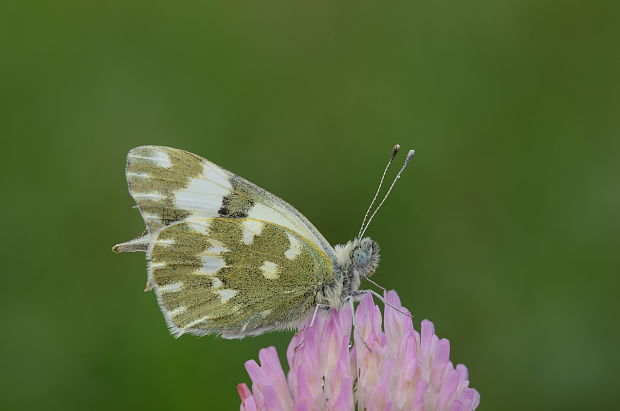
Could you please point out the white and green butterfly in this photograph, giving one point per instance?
(227, 257)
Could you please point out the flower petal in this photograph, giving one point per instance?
(247, 399)
(390, 368)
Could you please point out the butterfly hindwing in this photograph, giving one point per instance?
(234, 276)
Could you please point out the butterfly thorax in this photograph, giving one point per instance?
(354, 261)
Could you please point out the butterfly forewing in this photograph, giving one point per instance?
(234, 276)
(171, 185)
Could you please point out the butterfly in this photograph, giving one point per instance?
(227, 257)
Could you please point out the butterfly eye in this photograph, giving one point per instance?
(360, 257)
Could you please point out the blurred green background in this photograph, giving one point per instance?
(504, 231)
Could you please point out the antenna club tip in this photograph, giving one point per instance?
(410, 155)
(395, 150)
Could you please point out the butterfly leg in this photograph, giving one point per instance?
(350, 299)
(316, 311)
(376, 285)
(359, 293)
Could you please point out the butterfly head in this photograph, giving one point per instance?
(356, 260)
(364, 257)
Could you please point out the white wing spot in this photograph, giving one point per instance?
(270, 270)
(149, 216)
(216, 282)
(159, 157)
(196, 322)
(262, 212)
(212, 172)
(295, 247)
(225, 294)
(211, 265)
(204, 194)
(171, 288)
(140, 175)
(251, 228)
(166, 242)
(217, 247)
(149, 196)
(279, 215)
(177, 311)
(158, 264)
(201, 227)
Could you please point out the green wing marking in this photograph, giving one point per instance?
(235, 276)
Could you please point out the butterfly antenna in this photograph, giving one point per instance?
(407, 160)
(387, 167)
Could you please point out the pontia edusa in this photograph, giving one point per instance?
(227, 257)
